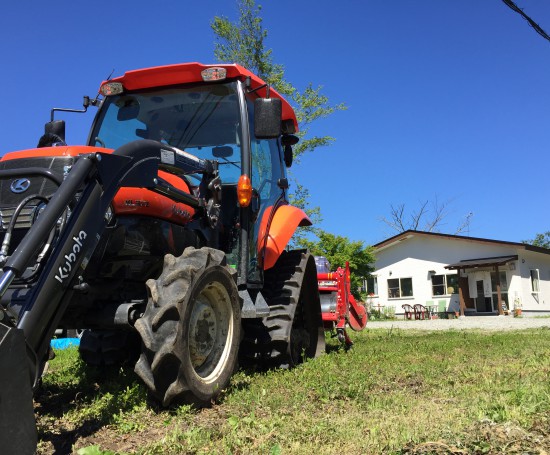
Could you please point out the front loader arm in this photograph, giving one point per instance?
(101, 175)
(24, 343)
(23, 347)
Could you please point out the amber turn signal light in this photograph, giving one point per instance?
(244, 191)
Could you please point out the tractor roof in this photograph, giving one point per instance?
(183, 73)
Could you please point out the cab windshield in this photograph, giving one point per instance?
(203, 120)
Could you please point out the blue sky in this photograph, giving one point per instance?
(447, 100)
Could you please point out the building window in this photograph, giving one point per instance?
(400, 287)
(372, 285)
(444, 284)
(535, 281)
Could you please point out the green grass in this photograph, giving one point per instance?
(394, 392)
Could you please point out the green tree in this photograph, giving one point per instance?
(542, 240)
(300, 199)
(338, 250)
(243, 42)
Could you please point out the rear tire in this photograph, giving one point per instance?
(293, 331)
(190, 329)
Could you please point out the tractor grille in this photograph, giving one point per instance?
(38, 185)
(24, 220)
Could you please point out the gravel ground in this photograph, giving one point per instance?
(467, 322)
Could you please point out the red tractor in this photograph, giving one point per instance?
(163, 239)
(338, 305)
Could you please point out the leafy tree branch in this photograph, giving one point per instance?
(541, 240)
(338, 249)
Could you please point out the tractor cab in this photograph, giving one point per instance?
(224, 114)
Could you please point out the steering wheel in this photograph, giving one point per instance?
(50, 140)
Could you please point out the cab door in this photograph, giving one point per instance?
(267, 176)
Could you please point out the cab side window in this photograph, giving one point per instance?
(266, 168)
(266, 163)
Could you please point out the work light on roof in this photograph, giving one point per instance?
(213, 74)
(111, 88)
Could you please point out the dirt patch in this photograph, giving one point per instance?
(60, 437)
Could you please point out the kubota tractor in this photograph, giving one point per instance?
(339, 307)
(163, 239)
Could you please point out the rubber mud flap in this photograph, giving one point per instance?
(17, 423)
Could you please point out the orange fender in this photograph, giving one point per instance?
(286, 220)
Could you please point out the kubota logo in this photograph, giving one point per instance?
(65, 269)
(20, 185)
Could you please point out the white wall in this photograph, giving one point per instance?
(534, 302)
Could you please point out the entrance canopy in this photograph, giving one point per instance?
(463, 282)
(482, 262)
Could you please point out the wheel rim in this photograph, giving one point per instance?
(210, 331)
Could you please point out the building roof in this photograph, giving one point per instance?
(396, 239)
(482, 262)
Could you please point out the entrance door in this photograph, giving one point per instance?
(483, 304)
(503, 290)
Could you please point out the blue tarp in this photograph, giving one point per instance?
(63, 343)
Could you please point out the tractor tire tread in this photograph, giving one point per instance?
(267, 343)
(164, 354)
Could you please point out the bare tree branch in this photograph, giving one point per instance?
(439, 214)
(397, 215)
(431, 220)
(396, 218)
(465, 226)
(417, 217)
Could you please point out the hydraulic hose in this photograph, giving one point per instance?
(11, 226)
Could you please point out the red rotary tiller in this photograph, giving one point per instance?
(338, 306)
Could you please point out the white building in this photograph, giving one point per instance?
(460, 274)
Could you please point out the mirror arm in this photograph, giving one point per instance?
(266, 86)
(60, 109)
(87, 102)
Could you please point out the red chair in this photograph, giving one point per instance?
(408, 311)
(421, 312)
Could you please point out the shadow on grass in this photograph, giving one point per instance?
(63, 441)
(91, 397)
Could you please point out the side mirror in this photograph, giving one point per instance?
(267, 118)
(56, 127)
